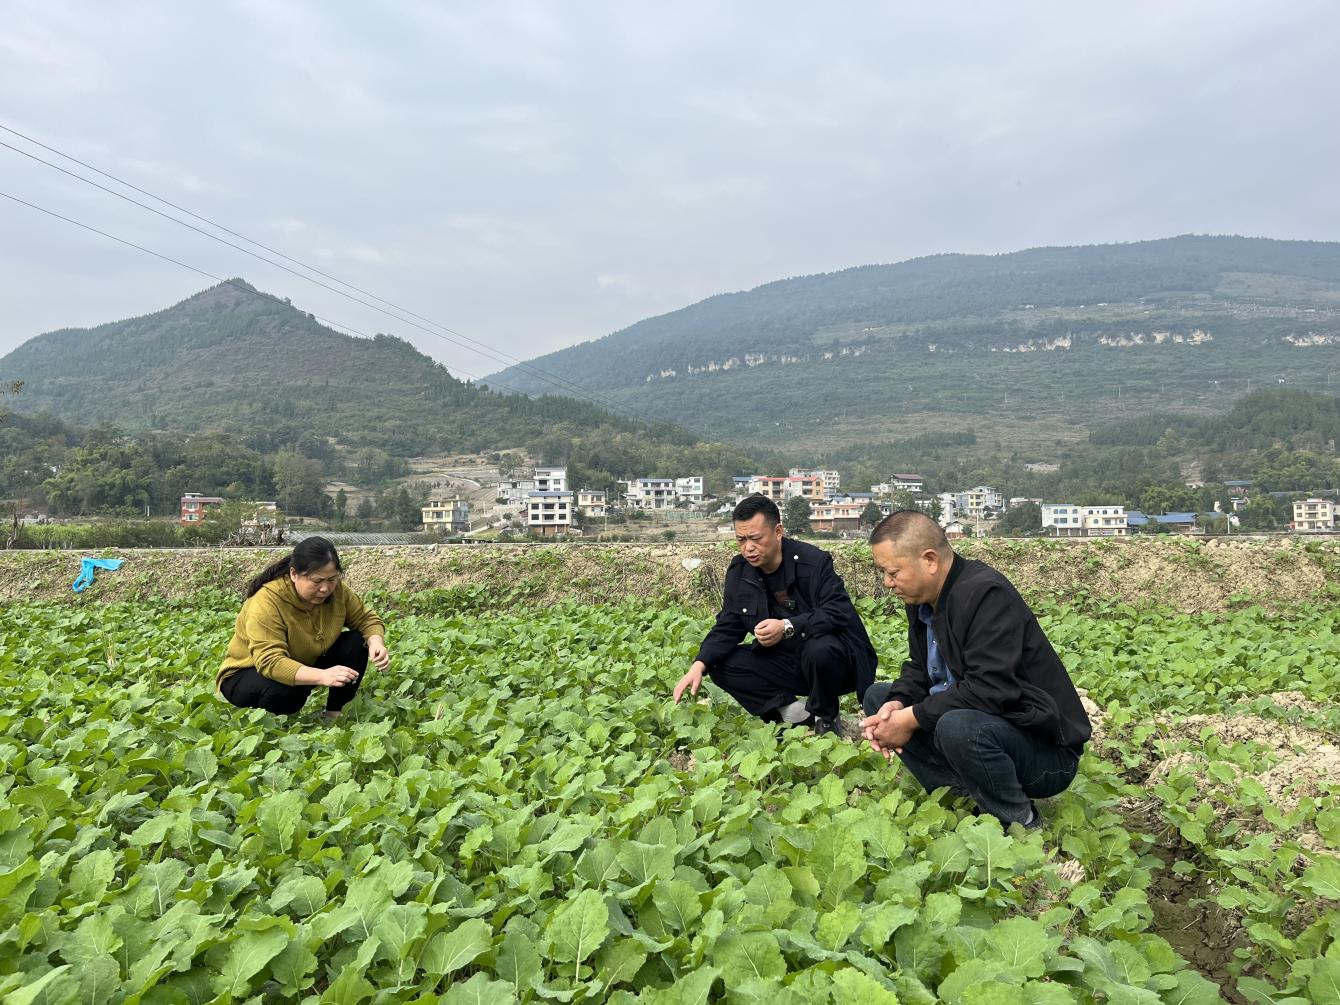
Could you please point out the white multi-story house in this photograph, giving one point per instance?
(551, 479)
(838, 514)
(1313, 515)
(1063, 519)
(592, 503)
(650, 493)
(689, 488)
(513, 491)
(905, 482)
(979, 499)
(549, 513)
(1104, 521)
(949, 511)
(447, 514)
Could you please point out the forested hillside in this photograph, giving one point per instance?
(230, 359)
(1047, 341)
(235, 393)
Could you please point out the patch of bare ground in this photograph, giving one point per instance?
(1304, 761)
(1179, 573)
(1202, 932)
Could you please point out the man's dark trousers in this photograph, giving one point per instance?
(982, 756)
(764, 679)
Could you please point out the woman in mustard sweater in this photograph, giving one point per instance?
(291, 636)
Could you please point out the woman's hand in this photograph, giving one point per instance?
(337, 676)
(377, 654)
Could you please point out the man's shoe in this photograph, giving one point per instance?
(821, 726)
(1036, 823)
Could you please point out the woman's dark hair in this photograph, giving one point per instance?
(310, 553)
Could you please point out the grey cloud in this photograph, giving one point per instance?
(540, 173)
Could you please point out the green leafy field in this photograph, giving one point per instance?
(516, 813)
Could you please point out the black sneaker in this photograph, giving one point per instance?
(822, 727)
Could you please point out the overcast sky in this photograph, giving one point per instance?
(538, 174)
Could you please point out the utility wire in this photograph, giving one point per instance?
(208, 275)
(456, 338)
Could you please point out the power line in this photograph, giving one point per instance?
(453, 337)
(208, 275)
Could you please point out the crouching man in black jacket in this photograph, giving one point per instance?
(808, 638)
(983, 705)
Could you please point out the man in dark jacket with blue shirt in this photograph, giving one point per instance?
(808, 638)
(983, 705)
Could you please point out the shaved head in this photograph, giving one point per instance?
(911, 532)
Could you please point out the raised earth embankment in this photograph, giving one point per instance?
(1180, 573)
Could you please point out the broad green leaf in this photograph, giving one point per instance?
(447, 952)
(518, 961)
(480, 990)
(306, 895)
(398, 927)
(349, 988)
(851, 987)
(94, 937)
(293, 967)
(691, 989)
(578, 927)
(968, 974)
(619, 961)
(247, 956)
(1323, 877)
(882, 837)
(645, 862)
(100, 980)
(280, 817)
(152, 831)
(1046, 993)
(769, 888)
(678, 904)
(993, 993)
(748, 954)
(881, 920)
(158, 885)
(837, 860)
(54, 986)
(92, 874)
(1324, 984)
(836, 926)
(1021, 944)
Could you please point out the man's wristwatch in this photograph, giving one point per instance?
(788, 629)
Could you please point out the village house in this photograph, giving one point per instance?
(832, 481)
(1104, 521)
(592, 503)
(447, 514)
(689, 489)
(649, 493)
(194, 504)
(837, 514)
(549, 513)
(1062, 520)
(1312, 516)
(551, 479)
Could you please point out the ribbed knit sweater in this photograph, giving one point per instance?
(278, 633)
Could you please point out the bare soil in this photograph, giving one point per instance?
(1178, 573)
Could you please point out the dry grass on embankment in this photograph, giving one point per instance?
(1179, 573)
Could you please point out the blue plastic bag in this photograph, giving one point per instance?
(87, 570)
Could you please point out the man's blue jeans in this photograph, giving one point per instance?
(976, 754)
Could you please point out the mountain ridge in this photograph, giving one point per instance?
(1195, 310)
